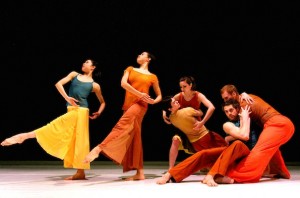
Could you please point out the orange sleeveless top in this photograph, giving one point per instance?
(141, 82)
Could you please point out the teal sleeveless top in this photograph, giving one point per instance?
(252, 136)
(80, 91)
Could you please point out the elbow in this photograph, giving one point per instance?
(123, 84)
(245, 137)
(56, 85)
(159, 98)
(213, 108)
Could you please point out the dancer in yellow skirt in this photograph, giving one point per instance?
(67, 137)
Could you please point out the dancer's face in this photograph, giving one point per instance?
(231, 112)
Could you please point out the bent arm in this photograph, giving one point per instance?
(243, 131)
(209, 105)
(60, 86)
(125, 85)
(98, 92)
(157, 91)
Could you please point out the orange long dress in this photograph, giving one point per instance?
(123, 144)
(277, 130)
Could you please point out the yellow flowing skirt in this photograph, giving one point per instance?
(67, 137)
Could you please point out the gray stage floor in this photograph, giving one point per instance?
(45, 180)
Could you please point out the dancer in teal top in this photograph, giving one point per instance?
(67, 137)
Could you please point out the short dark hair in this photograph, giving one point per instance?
(189, 80)
(235, 103)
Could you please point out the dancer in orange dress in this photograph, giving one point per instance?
(277, 130)
(123, 144)
(67, 137)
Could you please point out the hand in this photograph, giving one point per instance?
(94, 115)
(166, 119)
(245, 111)
(72, 101)
(146, 98)
(198, 125)
(247, 98)
(228, 139)
(200, 113)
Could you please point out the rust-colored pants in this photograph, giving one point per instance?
(202, 159)
(123, 144)
(276, 132)
(229, 158)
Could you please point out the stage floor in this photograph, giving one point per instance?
(105, 179)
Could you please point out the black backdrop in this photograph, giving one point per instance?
(254, 46)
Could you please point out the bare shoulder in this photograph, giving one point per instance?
(73, 74)
(228, 126)
(200, 95)
(96, 86)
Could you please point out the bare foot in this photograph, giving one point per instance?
(135, 177)
(76, 177)
(92, 155)
(209, 180)
(164, 179)
(79, 175)
(16, 139)
(224, 180)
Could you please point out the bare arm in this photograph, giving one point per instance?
(229, 139)
(166, 119)
(128, 87)
(124, 83)
(60, 87)
(98, 92)
(210, 109)
(143, 96)
(243, 131)
(157, 92)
